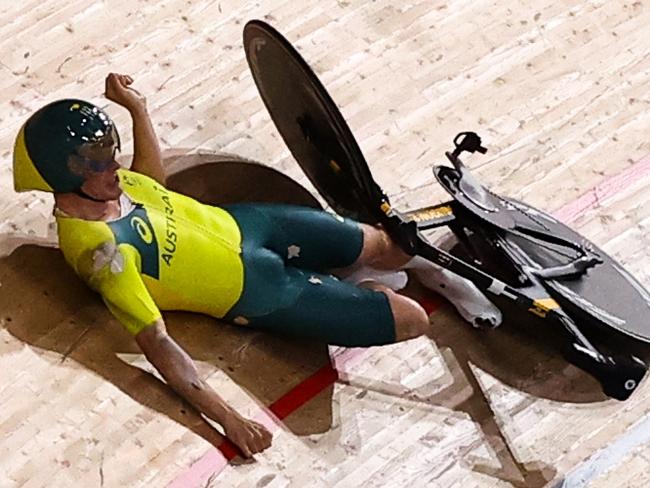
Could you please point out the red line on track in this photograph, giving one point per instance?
(305, 391)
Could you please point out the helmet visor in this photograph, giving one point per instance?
(99, 155)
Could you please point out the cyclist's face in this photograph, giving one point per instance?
(99, 167)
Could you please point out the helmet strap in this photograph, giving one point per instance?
(85, 195)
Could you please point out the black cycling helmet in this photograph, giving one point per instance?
(50, 136)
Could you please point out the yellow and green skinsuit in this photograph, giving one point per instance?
(169, 253)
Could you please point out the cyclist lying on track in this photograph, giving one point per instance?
(280, 268)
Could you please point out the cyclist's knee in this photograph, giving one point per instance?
(410, 318)
(379, 250)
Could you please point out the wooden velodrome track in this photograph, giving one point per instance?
(559, 92)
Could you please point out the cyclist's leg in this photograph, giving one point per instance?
(333, 311)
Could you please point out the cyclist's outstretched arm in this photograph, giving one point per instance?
(179, 371)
